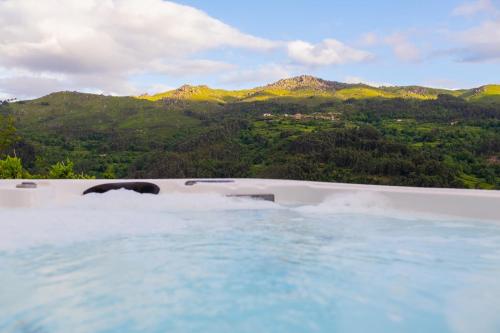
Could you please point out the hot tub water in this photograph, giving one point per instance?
(123, 262)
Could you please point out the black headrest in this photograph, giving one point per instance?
(140, 187)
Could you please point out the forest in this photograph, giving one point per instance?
(447, 141)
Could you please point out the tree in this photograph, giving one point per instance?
(110, 172)
(8, 134)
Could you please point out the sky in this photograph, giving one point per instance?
(130, 47)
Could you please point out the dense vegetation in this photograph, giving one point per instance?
(301, 128)
(11, 145)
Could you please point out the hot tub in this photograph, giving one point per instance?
(247, 256)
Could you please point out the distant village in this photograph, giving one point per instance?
(299, 116)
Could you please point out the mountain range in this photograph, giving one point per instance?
(306, 86)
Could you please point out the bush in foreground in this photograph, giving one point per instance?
(12, 168)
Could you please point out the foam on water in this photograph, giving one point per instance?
(357, 202)
(174, 202)
(124, 262)
(125, 213)
(128, 213)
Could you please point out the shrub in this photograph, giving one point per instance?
(64, 170)
(12, 168)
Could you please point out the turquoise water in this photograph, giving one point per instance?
(210, 264)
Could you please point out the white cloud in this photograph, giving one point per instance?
(192, 67)
(403, 49)
(473, 8)
(25, 84)
(260, 75)
(112, 39)
(369, 39)
(101, 45)
(356, 80)
(95, 35)
(480, 43)
(157, 88)
(442, 84)
(5, 96)
(29, 86)
(328, 52)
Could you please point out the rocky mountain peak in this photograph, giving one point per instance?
(187, 90)
(304, 82)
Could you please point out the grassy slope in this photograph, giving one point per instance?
(203, 93)
(486, 94)
(357, 91)
(71, 112)
(309, 87)
(200, 93)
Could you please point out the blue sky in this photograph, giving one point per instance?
(133, 46)
(426, 23)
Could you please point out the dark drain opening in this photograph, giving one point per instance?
(264, 197)
(139, 187)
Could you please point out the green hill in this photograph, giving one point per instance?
(486, 94)
(299, 128)
(199, 93)
(303, 87)
(96, 130)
